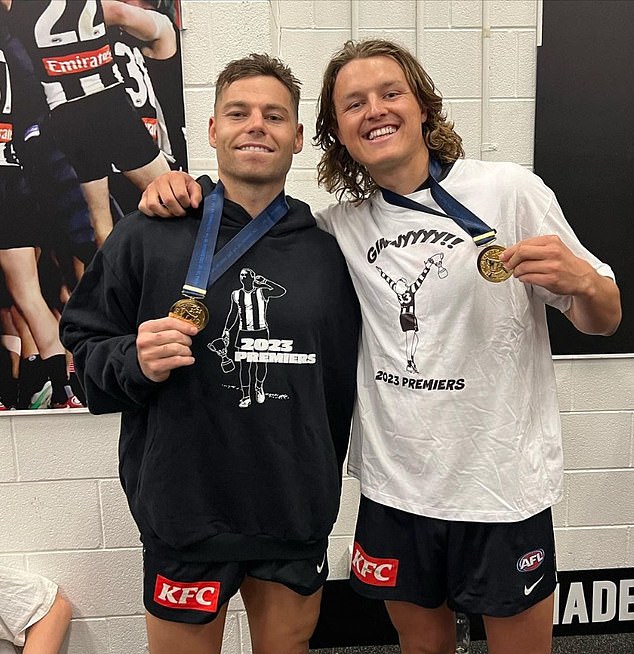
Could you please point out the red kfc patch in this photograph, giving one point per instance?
(376, 572)
(196, 596)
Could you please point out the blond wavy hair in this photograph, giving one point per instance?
(337, 171)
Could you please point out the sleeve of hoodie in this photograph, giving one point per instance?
(99, 326)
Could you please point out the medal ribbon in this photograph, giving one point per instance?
(204, 267)
(197, 279)
(479, 231)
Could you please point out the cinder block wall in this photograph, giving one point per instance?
(62, 512)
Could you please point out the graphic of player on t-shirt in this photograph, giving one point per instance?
(406, 296)
(249, 305)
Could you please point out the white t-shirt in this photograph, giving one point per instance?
(457, 414)
(25, 598)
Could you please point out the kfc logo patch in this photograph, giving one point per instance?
(376, 572)
(196, 596)
(530, 561)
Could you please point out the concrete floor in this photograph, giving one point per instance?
(607, 644)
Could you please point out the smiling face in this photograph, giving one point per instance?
(379, 121)
(255, 133)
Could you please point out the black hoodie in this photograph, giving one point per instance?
(206, 478)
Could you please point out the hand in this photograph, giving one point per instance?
(171, 194)
(260, 281)
(163, 345)
(547, 262)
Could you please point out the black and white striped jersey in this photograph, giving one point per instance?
(131, 69)
(67, 42)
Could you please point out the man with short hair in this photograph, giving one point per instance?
(227, 495)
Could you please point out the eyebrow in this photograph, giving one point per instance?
(240, 104)
(382, 86)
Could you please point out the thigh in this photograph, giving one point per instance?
(20, 221)
(188, 592)
(85, 147)
(165, 637)
(132, 146)
(20, 270)
(399, 556)
(528, 632)
(122, 139)
(281, 621)
(421, 630)
(501, 569)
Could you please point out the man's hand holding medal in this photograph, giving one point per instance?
(545, 261)
(163, 345)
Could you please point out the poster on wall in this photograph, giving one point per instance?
(91, 110)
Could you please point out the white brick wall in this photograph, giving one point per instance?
(62, 511)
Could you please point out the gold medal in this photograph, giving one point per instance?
(490, 266)
(190, 310)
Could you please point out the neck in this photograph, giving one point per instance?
(405, 177)
(253, 198)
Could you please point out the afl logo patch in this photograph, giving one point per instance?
(530, 561)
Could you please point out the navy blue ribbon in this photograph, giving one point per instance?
(197, 279)
(479, 231)
(205, 267)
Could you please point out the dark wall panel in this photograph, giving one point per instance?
(584, 143)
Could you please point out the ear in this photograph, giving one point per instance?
(212, 132)
(423, 116)
(299, 139)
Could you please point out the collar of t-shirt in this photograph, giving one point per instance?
(444, 171)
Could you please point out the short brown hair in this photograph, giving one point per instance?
(337, 171)
(255, 65)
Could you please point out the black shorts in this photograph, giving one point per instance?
(20, 224)
(100, 130)
(498, 569)
(194, 592)
(409, 322)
